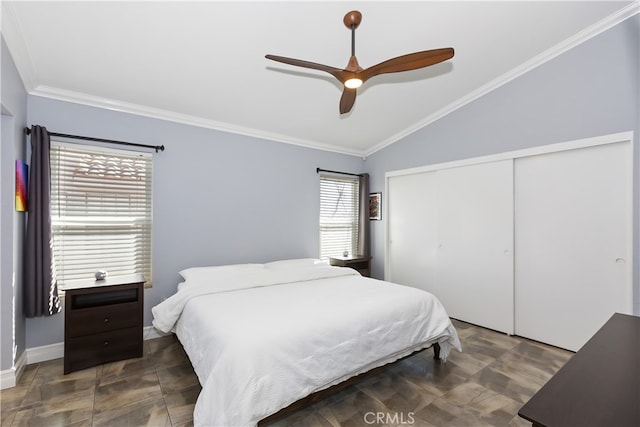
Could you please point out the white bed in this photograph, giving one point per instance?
(262, 336)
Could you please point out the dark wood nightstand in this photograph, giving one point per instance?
(358, 263)
(103, 321)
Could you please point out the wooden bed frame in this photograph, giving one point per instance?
(319, 395)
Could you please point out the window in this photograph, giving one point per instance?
(339, 207)
(101, 212)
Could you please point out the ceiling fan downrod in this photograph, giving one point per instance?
(352, 20)
(353, 41)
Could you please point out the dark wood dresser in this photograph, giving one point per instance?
(599, 386)
(103, 321)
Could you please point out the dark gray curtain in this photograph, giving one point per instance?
(363, 223)
(40, 287)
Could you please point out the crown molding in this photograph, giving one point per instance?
(546, 56)
(172, 116)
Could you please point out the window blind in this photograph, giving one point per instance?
(101, 203)
(338, 215)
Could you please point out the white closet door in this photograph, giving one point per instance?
(411, 214)
(475, 243)
(572, 233)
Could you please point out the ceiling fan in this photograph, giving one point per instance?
(353, 76)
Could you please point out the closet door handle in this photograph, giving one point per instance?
(620, 261)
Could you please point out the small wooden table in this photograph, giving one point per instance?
(598, 386)
(358, 263)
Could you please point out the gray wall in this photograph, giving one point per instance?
(219, 198)
(12, 147)
(591, 90)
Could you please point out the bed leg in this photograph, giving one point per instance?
(436, 351)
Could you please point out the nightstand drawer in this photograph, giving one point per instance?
(101, 319)
(89, 350)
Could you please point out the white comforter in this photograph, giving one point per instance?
(268, 337)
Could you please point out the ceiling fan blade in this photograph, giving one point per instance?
(347, 100)
(336, 72)
(411, 61)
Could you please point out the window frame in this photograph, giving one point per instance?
(130, 203)
(342, 222)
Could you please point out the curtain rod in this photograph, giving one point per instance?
(318, 170)
(108, 141)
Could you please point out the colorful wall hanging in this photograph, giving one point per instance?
(21, 185)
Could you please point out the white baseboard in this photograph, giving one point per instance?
(9, 377)
(44, 353)
(20, 365)
(149, 333)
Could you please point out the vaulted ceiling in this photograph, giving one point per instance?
(203, 63)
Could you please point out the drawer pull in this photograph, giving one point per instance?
(106, 320)
(106, 343)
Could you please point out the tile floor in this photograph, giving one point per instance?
(485, 385)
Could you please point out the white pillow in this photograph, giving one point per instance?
(295, 263)
(198, 273)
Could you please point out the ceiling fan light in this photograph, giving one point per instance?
(353, 83)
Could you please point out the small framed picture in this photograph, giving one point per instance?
(375, 212)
